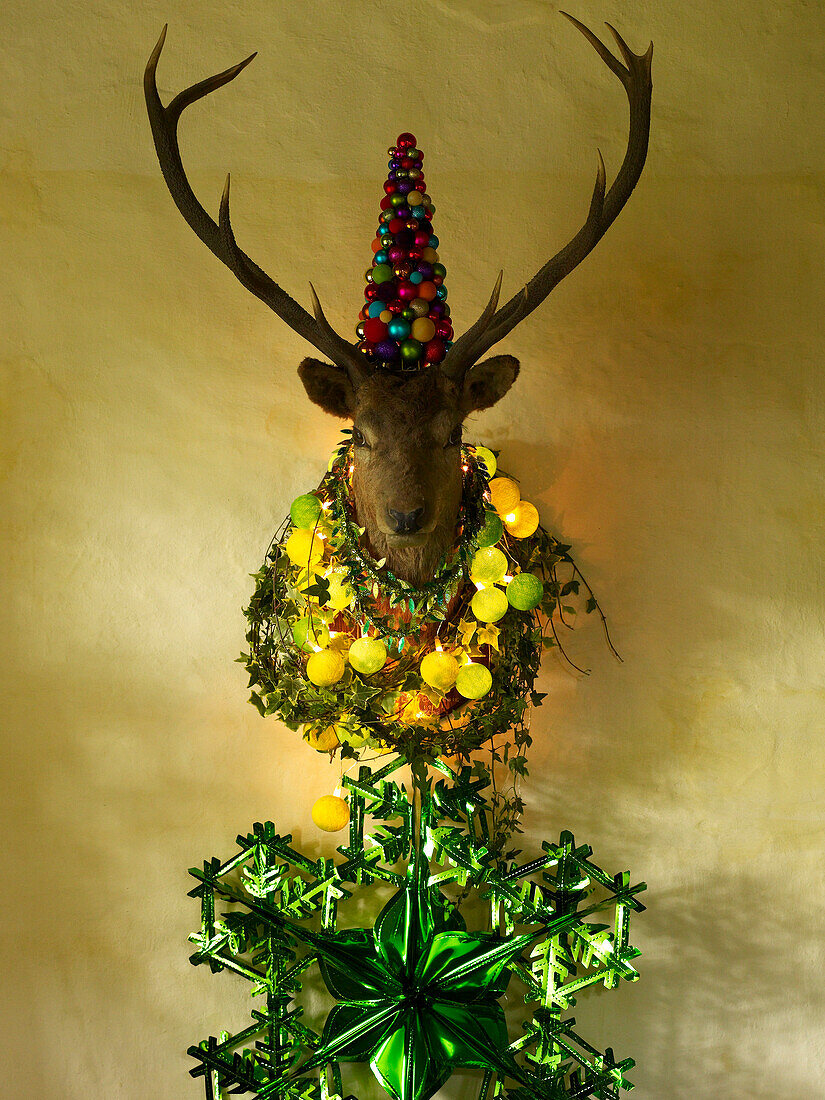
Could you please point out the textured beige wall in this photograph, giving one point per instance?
(668, 420)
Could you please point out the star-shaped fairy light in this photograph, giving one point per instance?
(417, 995)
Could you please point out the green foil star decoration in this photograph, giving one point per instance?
(417, 995)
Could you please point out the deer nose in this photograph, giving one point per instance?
(406, 523)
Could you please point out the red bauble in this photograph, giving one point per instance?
(396, 254)
(435, 351)
(396, 306)
(389, 187)
(395, 226)
(444, 330)
(422, 239)
(375, 330)
(371, 293)
(421, 186)
(407, 162)
(408, 291)
(386, 202)
(406, 141)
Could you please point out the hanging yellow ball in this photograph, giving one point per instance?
(504, 495)
(474, 680)
(330, 813)
(524, 592)
(310, 633)
(320, 738)
(305, 510)
(522, 521)
(439, 670)
(486, 456)
(489, 605)
(326, 667)
(340, 592)
(304, 548)
(488, 566)
(367, 655)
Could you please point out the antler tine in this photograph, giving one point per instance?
(219, 238)
(604, 207)
(454, 369)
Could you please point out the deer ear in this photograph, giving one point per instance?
(487, 382)
(328, 387)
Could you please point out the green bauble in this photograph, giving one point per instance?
(525, 591)
(492, 530)
(307, 634)
(411, 351)
(381, 273)
(305, 510)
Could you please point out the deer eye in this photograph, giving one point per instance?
(455, 437)
(358, 438)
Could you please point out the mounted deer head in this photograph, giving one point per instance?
(406, 425)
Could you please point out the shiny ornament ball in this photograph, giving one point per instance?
(367, 655)
(385, 315)
(488, 459)
(523, 520)
(304, 547)
(326, 667)
(307, 634)
(423, 329)
(407, 314)
(435, 351)
(381, 273)
(419, 307)
(489, 566)
(359, 332)
(488, 605)
(408, 291)
(414, 198)
(396, 225)
(422, 239)
(425, 270)
(381, 257)
(387, 350)
(396, 254)
(411, 351)
(389, 187)
(406, 141)
(524, 592)
(444, 330)
(403, 270)
(399, 329)
(441, 293)
(504, 495)
(492, 530)
(330, 813)
(305, 510)
(375, 330)
(439, 670)
(473, 680)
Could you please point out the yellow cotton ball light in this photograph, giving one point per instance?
(524, 592)
(504, 495)
(367, 655)
(310, 634)
(488, 566)
(486, 456)
(330, 813)
(321, 738)
(489, 605)
(340, 592)
(522, 521)
(439, 670)
(325, 668)
(474, 680)
(304, 548)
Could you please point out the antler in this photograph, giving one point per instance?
(219, 238)
(604, 208)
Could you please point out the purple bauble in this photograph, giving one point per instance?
(388, 290)
(386, 350)
(425, 270)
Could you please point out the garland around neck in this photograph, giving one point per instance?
(356, 658)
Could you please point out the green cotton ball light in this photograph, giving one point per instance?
(524, 592)
(488, 566)
(308, 635)
(492, 530)
(489, 605)
(305, 510)
(367, 655)
(474, 680)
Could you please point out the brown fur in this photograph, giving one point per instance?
(407, 460)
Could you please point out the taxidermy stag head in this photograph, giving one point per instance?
(406, 423)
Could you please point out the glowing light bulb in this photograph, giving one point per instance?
(511, 517)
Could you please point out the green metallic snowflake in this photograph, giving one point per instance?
(417, 994)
